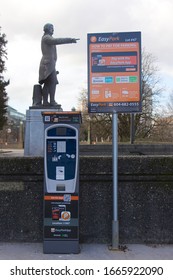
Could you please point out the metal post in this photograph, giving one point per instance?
(115, 224)
(132, 129)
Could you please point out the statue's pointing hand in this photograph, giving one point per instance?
(75, 40)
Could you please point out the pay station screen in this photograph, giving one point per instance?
(61, 159)
(61, 131)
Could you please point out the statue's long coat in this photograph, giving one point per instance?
(48, 60)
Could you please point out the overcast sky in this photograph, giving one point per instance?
(23, 21)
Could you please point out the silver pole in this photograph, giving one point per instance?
(115, 224)
(132, 128)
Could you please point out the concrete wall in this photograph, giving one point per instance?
(128, 149)
(145, 199)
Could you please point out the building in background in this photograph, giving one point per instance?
(12, 134)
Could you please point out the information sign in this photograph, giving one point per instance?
(114, 72)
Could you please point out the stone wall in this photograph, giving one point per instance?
(145, 199)
(128, 149)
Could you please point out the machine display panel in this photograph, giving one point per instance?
(61, 159)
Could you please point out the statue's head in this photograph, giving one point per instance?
(48, 28)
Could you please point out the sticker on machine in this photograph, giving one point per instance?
(60, 172)
(65, 216)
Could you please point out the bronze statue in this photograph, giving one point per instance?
(47, 71)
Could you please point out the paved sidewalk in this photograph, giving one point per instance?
(11, 152)
(34, 251)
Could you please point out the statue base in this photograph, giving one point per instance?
(34, 132)
(41, 107)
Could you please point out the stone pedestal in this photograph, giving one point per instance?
(34, 132)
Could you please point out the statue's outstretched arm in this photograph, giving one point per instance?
(59, 41)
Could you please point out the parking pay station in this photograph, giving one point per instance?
(61, 182)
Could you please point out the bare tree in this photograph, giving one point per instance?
(163, 124)
(3, 83)
(151, 90)
(95, 127)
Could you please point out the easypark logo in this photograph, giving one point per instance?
(108, 39)
(94, 39)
